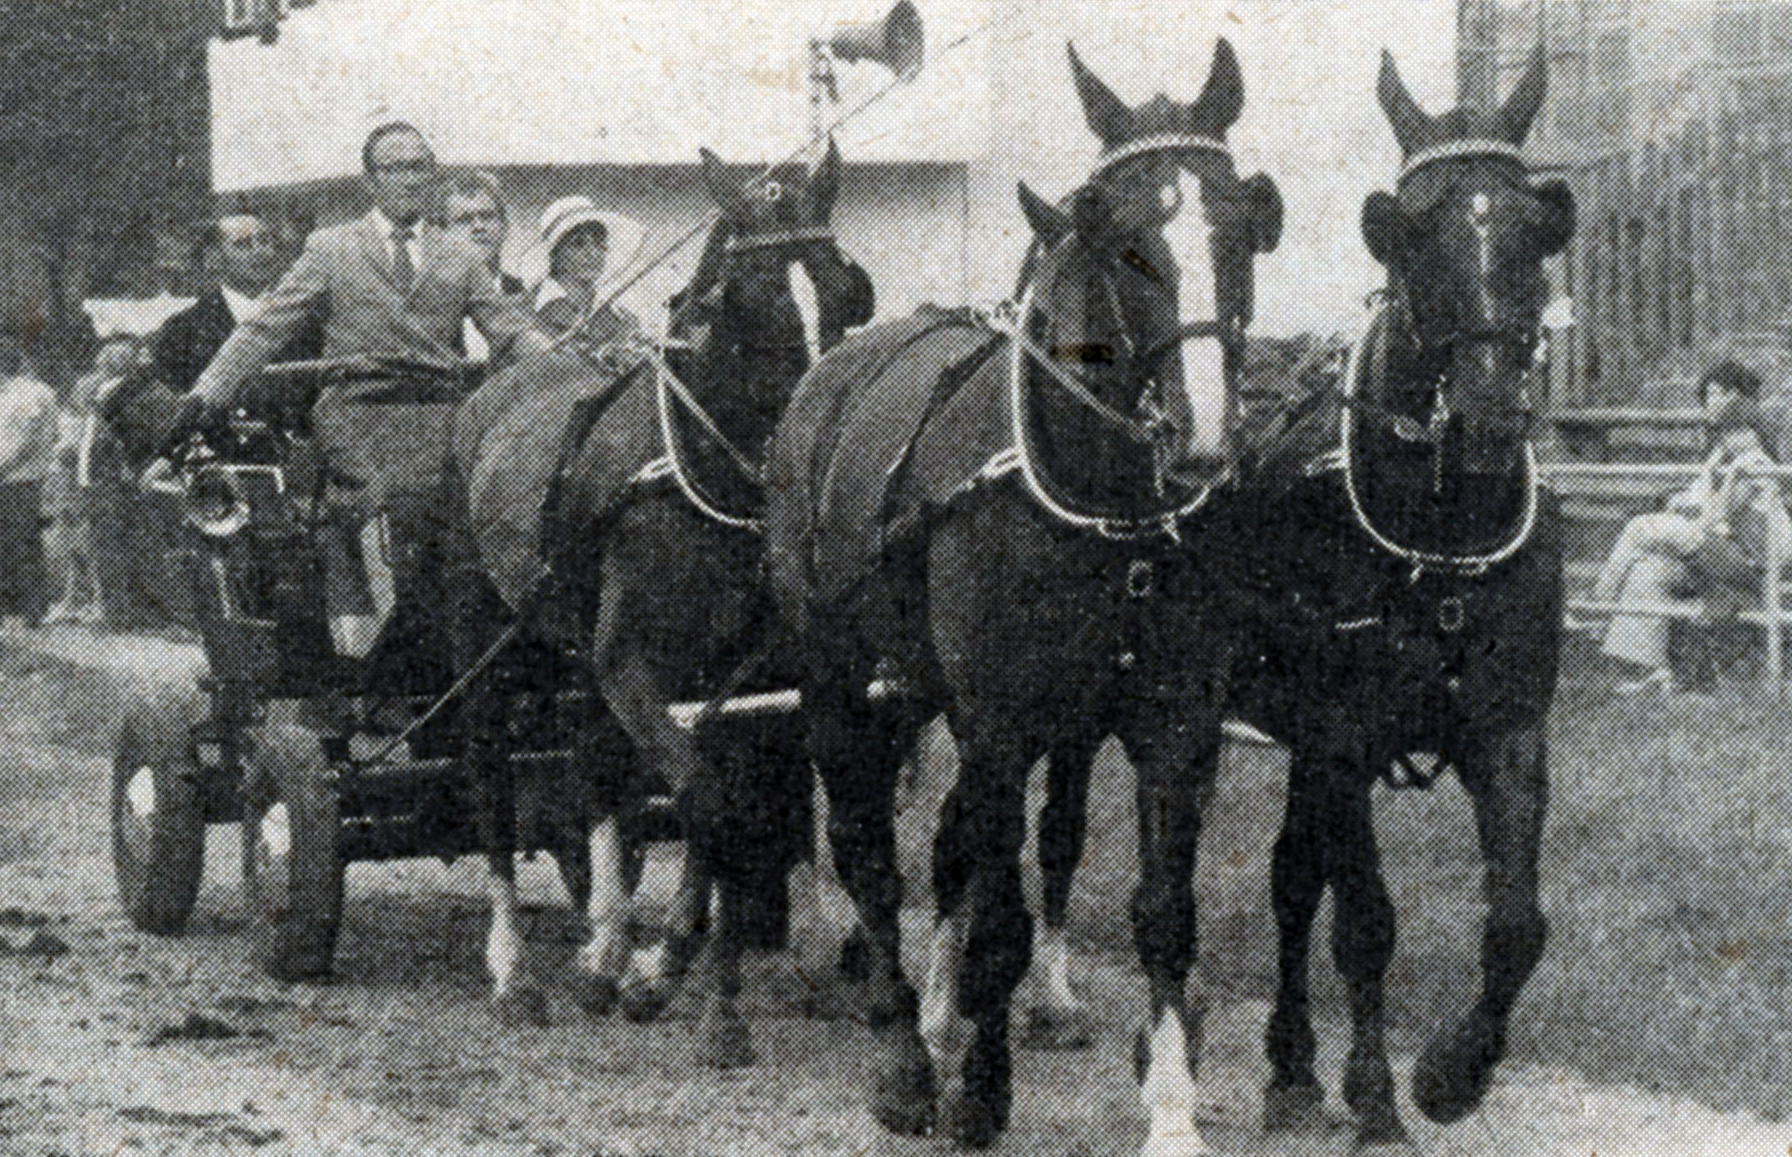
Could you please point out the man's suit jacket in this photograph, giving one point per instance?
(345, 281)
(188, 341)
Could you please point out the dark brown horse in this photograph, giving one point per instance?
(1405, 598)
(1009, 516)
(1418, 576)
(656, 555)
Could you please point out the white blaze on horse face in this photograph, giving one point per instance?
(1190, 239)
(1169, 1094)
(808, 303)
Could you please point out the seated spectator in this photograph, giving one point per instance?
(28, 430)
(1712, 538)
(581, 245)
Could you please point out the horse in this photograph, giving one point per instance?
(1407, 600)
(999, 515)
(654, 574)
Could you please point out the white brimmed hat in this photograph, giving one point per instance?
(624, 235)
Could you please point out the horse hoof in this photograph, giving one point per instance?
(597, 995)
(522, 1008)
(1454, 1074)
(723, 1040)
(1293, 1108)
(1057, 1029)
(903, 1100)
(1401, 1146)
(641, 1003)
(972, 1122)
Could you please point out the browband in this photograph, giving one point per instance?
(782, 237)
(1457, 150)
(1159, 142)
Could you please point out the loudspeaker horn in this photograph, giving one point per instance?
(896, 42)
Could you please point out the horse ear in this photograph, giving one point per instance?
(1411, 124)
(1048, 221)
(723, 190)
(1107, 114)
(1266, 212)
(1521, 107)
(1219, 104)
(1557, 227)
(1386, 228)
(824, 184)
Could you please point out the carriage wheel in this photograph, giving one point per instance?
(158, 820)
(292, 861)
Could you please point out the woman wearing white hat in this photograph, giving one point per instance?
(582, 249)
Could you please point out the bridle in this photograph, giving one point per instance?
(1150, 429)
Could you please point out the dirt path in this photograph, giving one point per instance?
(112, 1042)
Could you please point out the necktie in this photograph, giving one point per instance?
(402, 269)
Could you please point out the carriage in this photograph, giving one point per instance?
(260, 737)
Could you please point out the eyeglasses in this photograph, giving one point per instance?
(423, 166)
(477, 217)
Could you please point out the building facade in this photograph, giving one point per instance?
(1673, 121)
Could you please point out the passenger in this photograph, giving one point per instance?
(583, 249)
(386, 285)
(1712, 538)
(474, 210)
(246, 258)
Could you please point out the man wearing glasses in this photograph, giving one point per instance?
(390, 289)
(389, 284)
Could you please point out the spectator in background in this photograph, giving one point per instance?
(69, 495)
(28, 429)
(580, 245)
(1711, 539)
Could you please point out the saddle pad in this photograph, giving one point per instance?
(865, 484)
(510, 439)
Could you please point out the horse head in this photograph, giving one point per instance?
(1464, 239)
(1141, 283)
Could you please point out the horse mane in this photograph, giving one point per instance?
(708, 273)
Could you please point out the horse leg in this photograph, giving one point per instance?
(515, 1000)
(859, 757)
(669, 907)
(1176, 769)
(983, 939)
(1055, 1016)
(723, 1041)
(600, 960)
(1293, 1096)
(1506, 777)
(1363, 934)
(838, 956)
